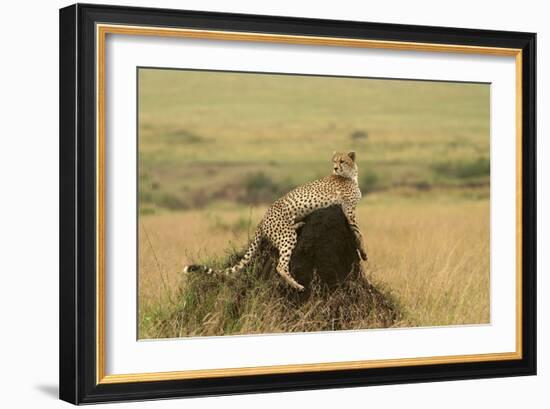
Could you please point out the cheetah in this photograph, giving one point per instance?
(284, 217)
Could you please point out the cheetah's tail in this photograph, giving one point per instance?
(252, 249)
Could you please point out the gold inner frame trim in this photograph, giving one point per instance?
(101, 33)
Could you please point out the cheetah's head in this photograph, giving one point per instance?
(343, 164)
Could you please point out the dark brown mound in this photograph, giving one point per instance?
(258, 300)
(326, 251)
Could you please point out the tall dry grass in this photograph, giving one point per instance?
(430, 258)
(252, 303)
(436, 258)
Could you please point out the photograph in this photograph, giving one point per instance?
(276, 203)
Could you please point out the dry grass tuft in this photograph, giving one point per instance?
(255, 303)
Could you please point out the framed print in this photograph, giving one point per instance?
(258, 203)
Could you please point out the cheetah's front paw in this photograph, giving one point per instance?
(298, 225)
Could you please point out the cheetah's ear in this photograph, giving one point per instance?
(352, 155)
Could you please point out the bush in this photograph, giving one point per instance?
(369, 181)
(260, 188)
(183, 136)
(171, 202)
(480, 167)
(145, 196)
(144, 211)
(359, 134)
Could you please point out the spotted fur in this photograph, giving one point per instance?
(285, 215)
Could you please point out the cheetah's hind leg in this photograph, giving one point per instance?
(285, 244)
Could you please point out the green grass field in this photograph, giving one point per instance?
(216, 148)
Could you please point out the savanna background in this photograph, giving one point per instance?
(216, 148)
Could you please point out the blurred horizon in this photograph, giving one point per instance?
(266, 133)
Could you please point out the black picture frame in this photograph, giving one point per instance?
(78, 360)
